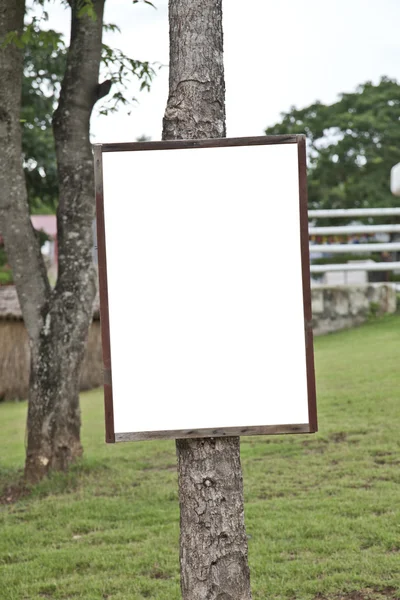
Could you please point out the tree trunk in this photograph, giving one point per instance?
(21, 243)
(213, 543)
(57, 352)
(53, 411)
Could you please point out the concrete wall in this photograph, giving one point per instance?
(341, 307)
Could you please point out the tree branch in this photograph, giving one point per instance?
(103, 89)
(79, 92)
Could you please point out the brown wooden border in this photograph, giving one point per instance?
(103, 292)
(205, 143)
(305, 266)
(217, 432)
(310, 427)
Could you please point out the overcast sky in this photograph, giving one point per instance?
(277, 54)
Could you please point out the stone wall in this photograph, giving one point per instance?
(341, 307)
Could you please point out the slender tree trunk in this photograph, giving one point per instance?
(21, 242)
(57, 352)
(213, 544)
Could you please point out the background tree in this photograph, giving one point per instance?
(22, 247)
(213, 542)
(44, 67)
(58, 319)
(352, 145)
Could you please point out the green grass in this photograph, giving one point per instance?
(322, 511)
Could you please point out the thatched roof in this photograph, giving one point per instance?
(10, 308)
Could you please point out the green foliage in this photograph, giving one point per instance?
(373, 310)
(43, 237)
(345, 257)
(321, 510)
(45, 55)
(3, 256)
(5, 271)
(352, 146)
(44, 66)
(86, 9)
(6, 276)
(120, 68)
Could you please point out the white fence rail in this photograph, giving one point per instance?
(354, 229)
(359, 266)
(353, 212)
(355, 248)
(351, 247)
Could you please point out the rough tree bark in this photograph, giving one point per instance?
(213, 544)
(54, 415)
(57, 320)
(23, 249)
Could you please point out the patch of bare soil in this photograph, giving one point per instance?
(12, 493)
(388, 593)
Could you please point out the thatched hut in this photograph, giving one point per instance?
(14, 350)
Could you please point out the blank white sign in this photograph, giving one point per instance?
(205, 288)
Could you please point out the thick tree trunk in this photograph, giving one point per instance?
(56, 357)
(53, 411)
(196, 101)
(213, 545)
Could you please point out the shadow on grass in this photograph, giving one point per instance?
(56, 483)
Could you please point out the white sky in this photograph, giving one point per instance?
(277, 54)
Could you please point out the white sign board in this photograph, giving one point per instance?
(203, 308)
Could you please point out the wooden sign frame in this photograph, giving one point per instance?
(311, 425)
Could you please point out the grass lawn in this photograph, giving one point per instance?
(322, 511)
